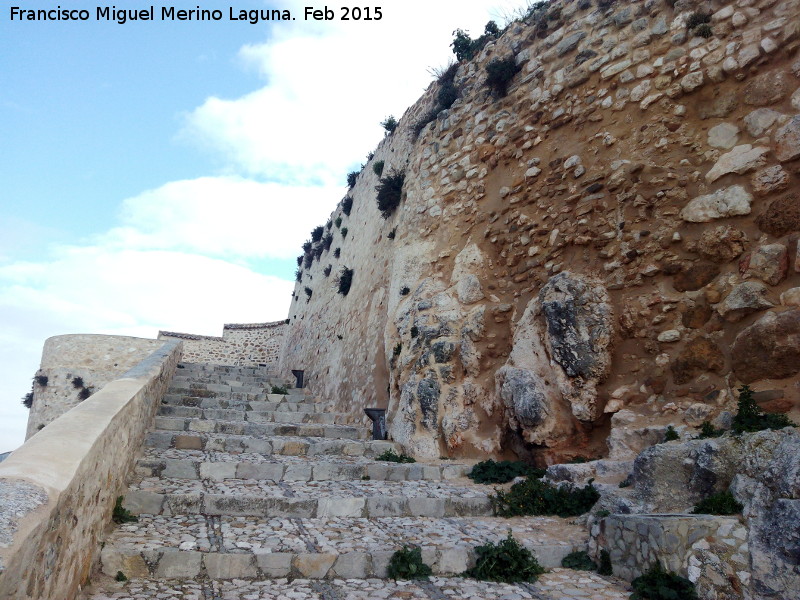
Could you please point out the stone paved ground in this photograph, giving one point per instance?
(231, 509)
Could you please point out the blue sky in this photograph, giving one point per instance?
(144, 162)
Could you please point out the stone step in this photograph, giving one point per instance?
(252, 402)
(556, 584)
(263, 498)
(188, 367)
(261, 430)
(291, 446)
(189, 464)
(254, 416)
(235, 547)
(190, 388)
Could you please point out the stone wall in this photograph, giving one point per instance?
(617, 233)
(79, 365)
(708, 550)
(58, 489)
(250, 344)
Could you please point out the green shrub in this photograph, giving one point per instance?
(625, 482)
(352, 176)
(578, 460)
(750, 418)
(377, 167)
(414, 331)
(389, 124)
(308, 292)
(120, 577)
(490, 471)
(327, 270)
(605, 567)
(405, 291)
(308, 260)
(41, 380)
(344, 231)
(84, 394)
(77, 382)
(579, 561)
(390, 193)
(316, 233)
(300, 260)
(535, 497)
(279, 389)
(307, 246)
(397, 349)
(703, 31)
(337, 253)
(122, 515)
(722, 503)
(344, 280)
(407, 564)
(338, 222)
(298, 275)
(27, 400)
(670, 435)
(465, 48)
(657, 584)
(347, 205)
(506, 561)
(392, 234)
(500, 72)
(391, 456)
(696, 19)
(707, 430)
(327, 241)
(602, 514)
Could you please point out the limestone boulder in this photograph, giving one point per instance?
(769, 348)
(769, 263)
(767, 88)
(744, 299)
(770, 180)
(787, 140)
(700, 355)
(724, 135)
(760, 120)
(726, 202)
(740, 160)
(722, 244)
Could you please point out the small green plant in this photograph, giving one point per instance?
(465, 48)
(337, 253)
(316, 233)
(299, 262)
(535, 497)
(703, 31)
(338, 222)
(670, 435)
(707, 430)
(605, 567)
(658, 584)
(391, 235)
(120, 577)
(722, 503)
(578, 460)
(327, 241)
(397, 350)
(506, 561)
(347, 205)
(579, 561)
(602, 514)
(390, 193)
(414, 331)
(377, 167)
(500, 72)
(344, 231)
(625, 482)
(365, 478)
(407, 564)
(84, 394)
(405, 291)
(329, 224)
(298, 275)
(391, 456)
(696, 19)
(344, 280)
(308, 292)
(122, 515)
(490, 471)
(41, 380)
(279, 389)
(327, 270)
(307, 245)
(352, 176)
(750, 418)
(27, 400)
(389, 124)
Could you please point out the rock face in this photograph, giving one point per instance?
(787, 140)
(727, 202)
(769, 348)
(782, 216)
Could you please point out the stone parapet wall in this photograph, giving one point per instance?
(250, 344)
(57, 490)
(711, 551)
(93, 359)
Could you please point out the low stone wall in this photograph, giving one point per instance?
(709, 550)
(57, 490)
(91, 361)
(248, 344)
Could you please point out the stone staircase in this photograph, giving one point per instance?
(244, 494)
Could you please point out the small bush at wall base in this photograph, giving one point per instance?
(750, 418)
(696, 19)
(670, 435)
(120, 577)
(389, 124)
(500, 72)
(391, 456)
(506, 561)
(707, 430)
(605, 567)
(279, 389)
(122, 515)
(345, 280)
(490, 471)
(390, 193)
(534, 497)
(377, 168)
(722, 503)
(407, 564)
(658, 584)
(703, 31)
(579, 561)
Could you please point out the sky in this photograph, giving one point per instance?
(164, 174)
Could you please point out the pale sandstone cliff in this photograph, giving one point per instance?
(609, 248)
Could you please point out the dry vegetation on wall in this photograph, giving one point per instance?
(597, 237)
